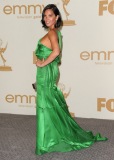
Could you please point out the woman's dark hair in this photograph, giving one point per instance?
(56, 12)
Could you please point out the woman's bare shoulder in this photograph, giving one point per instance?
(52, 33)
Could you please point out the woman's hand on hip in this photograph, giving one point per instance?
(39, 63)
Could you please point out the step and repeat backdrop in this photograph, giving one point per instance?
(87, 69)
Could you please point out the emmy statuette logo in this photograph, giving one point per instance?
(65, 94)
(62, 88)
(67, 22)
(2, 51)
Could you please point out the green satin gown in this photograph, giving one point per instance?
(56, 130)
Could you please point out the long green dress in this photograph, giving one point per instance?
(56, 130)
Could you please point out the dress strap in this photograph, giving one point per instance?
(59, 38)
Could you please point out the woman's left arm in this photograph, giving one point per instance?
(52, 35)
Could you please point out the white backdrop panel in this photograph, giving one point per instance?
(87, 57)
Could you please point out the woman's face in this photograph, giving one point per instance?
(50, 18)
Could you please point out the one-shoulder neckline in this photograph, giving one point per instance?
(45, 45)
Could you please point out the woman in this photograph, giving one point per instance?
(56, 129)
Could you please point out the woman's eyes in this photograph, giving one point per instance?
(48, 15)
